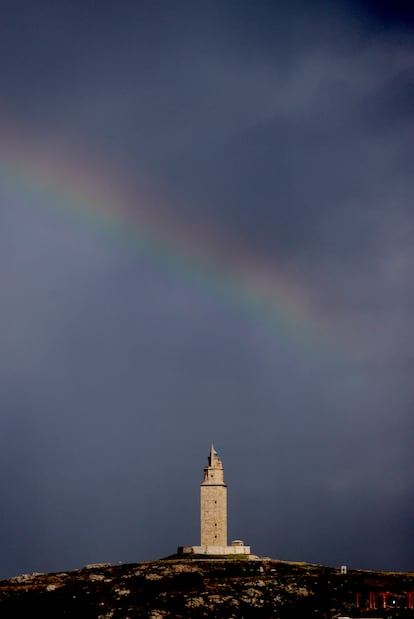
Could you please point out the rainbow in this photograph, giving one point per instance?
(92, 199)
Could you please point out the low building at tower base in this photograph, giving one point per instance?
(237, 548)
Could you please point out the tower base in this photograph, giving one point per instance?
(237, 548)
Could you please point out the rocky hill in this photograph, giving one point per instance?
(220, 588)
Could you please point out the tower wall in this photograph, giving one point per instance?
(213, 511)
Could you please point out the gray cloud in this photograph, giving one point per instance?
(287, 134)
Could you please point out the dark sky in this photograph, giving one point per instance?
(206, 234)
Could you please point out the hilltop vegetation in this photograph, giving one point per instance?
(225, 588)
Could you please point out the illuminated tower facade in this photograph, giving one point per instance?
(213, 503)
(213, 515)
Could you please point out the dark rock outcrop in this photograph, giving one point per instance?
(221, 588)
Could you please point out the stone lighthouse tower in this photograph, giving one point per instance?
(213, 514)
(213, 503)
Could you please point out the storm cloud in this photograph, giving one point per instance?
(278, 137)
